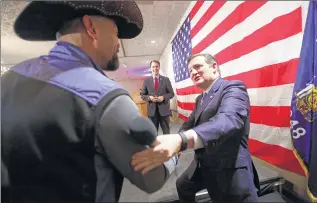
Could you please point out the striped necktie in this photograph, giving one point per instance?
(203, 98)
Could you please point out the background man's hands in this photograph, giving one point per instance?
(163, 149)
(160, 98)
(156, 99)
(152, 98)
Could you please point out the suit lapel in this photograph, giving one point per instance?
(160, 83)
(202, 106)
(209, 98)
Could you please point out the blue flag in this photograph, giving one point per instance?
(304, 103)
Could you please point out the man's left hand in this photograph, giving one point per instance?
(165, 147)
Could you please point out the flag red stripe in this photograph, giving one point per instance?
(271, 75)
(276, 155)
(195, 9)
(242, 12)
(278, 29)
(212, 10)
(181, 116)
(186, 105)
(278, 116)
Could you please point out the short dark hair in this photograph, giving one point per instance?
(74, 25)
(209, 59)
(70, 26)
(155, 61)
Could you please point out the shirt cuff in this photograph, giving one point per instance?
(198, 143)
(171, 164)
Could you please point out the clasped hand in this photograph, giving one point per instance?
(156, 98)
(162, 150)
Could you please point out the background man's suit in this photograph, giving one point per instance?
(224, 166)
(158, 112)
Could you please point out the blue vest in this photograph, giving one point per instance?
(50, 110)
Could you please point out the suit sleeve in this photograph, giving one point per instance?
(119, 145)
(144, 92)
(231, 115)
(169, 91)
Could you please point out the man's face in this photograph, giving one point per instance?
(200, 71)
(106, 42)
(155, 68)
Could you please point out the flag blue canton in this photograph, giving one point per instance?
(181, 50)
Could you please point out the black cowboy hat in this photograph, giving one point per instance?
(40, 20)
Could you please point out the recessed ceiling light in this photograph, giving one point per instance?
(153, 41)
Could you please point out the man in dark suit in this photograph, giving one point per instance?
(157, 92)
(217, 130)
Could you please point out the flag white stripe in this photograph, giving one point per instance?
(271, 135)
(183, 111)
(221, 14)
(258, 19)
(190, 98)
(185, 83)
(271, 96)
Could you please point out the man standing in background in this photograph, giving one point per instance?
(157, 92)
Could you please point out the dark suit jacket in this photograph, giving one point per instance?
(222, 122)
(165, 89)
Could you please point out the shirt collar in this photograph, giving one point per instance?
(68, 51)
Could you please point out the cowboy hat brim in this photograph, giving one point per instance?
(41, 20)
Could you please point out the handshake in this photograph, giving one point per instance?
(164, 148)
(156, 98)
(161, 148)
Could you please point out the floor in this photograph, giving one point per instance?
(168, 192)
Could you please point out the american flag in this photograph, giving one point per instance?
(258, 42)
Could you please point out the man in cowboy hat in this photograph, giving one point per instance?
(68, 131)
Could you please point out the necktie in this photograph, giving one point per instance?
(203, 98)
(156, 84)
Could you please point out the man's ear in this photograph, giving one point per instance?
(214, 65)
(214, 68)
(89, 26)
